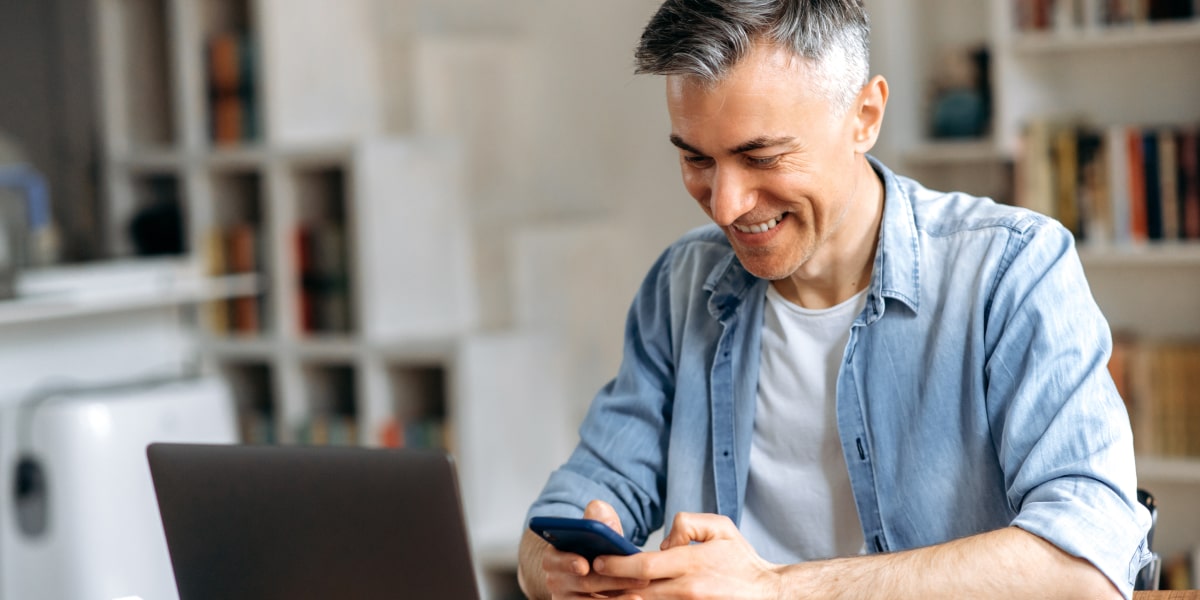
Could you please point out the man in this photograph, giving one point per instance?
(850, 386)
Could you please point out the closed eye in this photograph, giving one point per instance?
(761, 162)
(698, 161)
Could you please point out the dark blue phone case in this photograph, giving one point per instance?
(585, 537)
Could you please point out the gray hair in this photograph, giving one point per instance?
(705, 38)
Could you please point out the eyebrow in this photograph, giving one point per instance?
(754, 144)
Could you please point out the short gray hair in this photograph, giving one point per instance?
(705, 38)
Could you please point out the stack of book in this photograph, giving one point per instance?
(329, 430)
(1041, 15)
(231, 250)
(257, 427)
(423, 432)
(1160, 383)
(324, 277)
(1122, 183)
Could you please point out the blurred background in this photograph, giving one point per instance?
(419, 223)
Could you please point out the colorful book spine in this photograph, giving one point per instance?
(1040, 15)
(324, 279)
(1162, 391)
(1189, 182)
(231, 57)
(1137, 186)
(1153, 185)
(243, 257)
(1168, 183)
(1123, 184)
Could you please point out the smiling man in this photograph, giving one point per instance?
(850, 385)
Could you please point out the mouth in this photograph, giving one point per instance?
(762, 227)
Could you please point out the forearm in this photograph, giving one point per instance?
(1007, 563)
(530, 575)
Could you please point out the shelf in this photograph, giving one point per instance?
(1163, 469)
(249, 156)
(1162, 254)
(1116, 37)
(74, 291)
(941, 152)
(143, 160)
(239, 347)
(327, 348)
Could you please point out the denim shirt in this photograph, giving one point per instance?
(974, 392)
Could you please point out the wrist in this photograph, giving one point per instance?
(773, 581)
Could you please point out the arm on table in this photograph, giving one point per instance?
(1006, 563)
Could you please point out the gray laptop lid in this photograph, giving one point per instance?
(312, 523)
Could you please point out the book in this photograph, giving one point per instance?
(1092, 196)
(1160, 10)
(1137, 185)
(1117, 170)
(230, 59)
(1152, 185)
(305, 288)
(216, 265)
(243, 258)
(1035, 168)
(1066, 179)
(1168, 183)
(324, 277)
(1189, 182)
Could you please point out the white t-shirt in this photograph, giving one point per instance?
(799, 505)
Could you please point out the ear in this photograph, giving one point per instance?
(868, 114)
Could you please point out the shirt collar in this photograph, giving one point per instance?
(896, 273)
(897, 270)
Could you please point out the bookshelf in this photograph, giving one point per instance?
(270, 128)
(1072, 68)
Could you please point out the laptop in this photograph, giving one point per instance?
(312, 523)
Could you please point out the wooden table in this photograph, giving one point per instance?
(1168, 595)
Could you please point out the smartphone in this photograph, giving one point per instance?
(585, 537)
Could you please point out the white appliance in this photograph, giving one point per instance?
(81, 520)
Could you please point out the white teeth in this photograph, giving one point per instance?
(757, 228)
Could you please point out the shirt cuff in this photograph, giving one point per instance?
(1087, 519)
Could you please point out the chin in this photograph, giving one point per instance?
(765, 269)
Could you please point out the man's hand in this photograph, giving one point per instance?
(569, 576)
(721, 564)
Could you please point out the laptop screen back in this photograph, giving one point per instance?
(312, 523)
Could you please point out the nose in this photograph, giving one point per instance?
(731, 196)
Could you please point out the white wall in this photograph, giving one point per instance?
(568, 157)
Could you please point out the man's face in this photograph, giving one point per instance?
(770, 161)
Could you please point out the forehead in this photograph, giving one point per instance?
(768, 90)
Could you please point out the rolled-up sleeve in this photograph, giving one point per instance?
(1060, 428)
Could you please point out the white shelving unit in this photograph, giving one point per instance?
(355, 233)
(1130, 74)
(365, 328)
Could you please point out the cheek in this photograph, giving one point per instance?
(697, 186)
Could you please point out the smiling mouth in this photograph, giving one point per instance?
(763, 227)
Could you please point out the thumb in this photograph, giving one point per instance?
(599, 510)
(699, 527)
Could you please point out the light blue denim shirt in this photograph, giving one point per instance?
(974, 392)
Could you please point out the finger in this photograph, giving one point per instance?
(602, 511)
(644, 566)
(567, 585)
(699, 527)
(609, 596)
(556, 561)
(591, 586)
